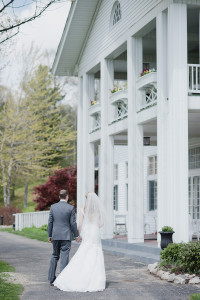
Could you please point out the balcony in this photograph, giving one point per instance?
(94, 109)
(119, 105)
(95, 117)
(193, 79)
(146, 86)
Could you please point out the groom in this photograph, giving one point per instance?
(61, 224)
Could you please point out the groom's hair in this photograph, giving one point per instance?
(63, 194)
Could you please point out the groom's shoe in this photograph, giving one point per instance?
(51, 282)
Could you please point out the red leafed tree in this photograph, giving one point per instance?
(48, 193)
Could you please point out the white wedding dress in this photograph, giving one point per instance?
(85, 271)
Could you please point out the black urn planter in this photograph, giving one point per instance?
(166, 238)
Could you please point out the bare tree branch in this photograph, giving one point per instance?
(6, 5)
(33, 17)
(9, 37)
(10, 23)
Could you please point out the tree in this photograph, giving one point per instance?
(35, 135)
(48, 193)
(9, 15)
(54, 131)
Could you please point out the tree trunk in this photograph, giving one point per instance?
(9, 180)
(3, 174)
(25, 194)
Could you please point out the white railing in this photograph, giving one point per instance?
(147, 90)
(119, 105)
(36, 219)
(95, 114)
(194, 79)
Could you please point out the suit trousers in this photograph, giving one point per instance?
(60, 249)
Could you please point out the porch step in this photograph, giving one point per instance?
(143, 252)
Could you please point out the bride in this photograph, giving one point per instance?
(86, 272)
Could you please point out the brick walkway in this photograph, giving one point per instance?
(126, 279)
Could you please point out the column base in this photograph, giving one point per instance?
(107, 236)
(135, 241)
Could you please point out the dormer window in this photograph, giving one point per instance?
(116, 13)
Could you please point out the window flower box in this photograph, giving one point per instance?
(120, 95)
(149, 79)
(94, 108)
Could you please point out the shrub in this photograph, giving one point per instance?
(7, 213)
(44, 227)
(171, 253)
(48, 193)
(195, 297)
(167, 229)
(183, 257)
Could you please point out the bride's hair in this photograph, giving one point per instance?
(93, 207)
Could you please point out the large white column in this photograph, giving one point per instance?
(106, 149)
(79, 146)
(90, 149)
(173, 121)
(135, 147)
(163, 204)
(85, 136)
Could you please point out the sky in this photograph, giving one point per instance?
(45, 32)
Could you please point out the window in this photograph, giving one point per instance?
(152, 195)
(152, 168)
(116, 13)
(115, 172)
(194, 158)
(115, 200)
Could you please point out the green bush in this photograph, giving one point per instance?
(195, 297)
(183, 257)
(171, 253)
(167, 229)
(44, 227)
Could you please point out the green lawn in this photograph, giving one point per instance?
(18, 200)
(31, 233)
(8, 291)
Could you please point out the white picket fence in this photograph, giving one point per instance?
(30, 219)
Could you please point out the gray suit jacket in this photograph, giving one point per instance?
(62, 222)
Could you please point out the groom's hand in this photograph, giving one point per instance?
(78, 239)
(50, 240)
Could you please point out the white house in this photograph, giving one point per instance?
(108, 43)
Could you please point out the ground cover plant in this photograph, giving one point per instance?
(8, 290)
(181, 258)
(195, 297)
(31, 233)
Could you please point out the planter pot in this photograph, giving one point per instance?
(166, 238)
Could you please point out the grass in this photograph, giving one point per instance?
(195, 297)
(4, 267)
(9, 291)
(31, 233)
(18, 200)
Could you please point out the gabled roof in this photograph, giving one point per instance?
(76, 30)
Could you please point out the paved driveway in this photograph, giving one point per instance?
(126, 279)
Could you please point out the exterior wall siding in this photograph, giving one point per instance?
(103, 34)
